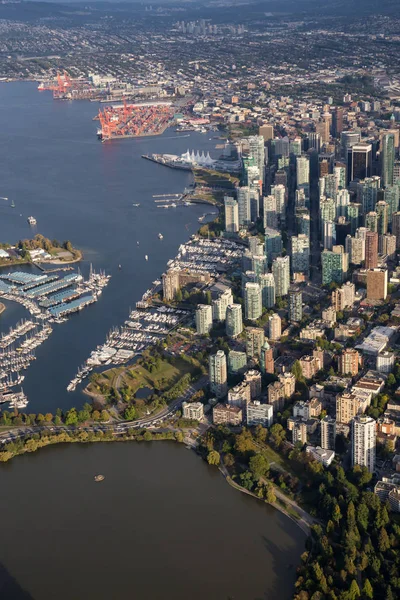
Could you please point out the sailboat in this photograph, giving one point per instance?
(146, 257)
(12, 204)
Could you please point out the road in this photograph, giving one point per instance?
(117, 427)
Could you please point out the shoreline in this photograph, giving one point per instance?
(53, 441)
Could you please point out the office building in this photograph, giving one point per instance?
(193, 410)
(234, 322)
(267, 284)
(231, 215)
(363, 442)
(259, 414)
(274, 327)
(349, 139)
(295, 306)
(300, 254)
(218, 374)
(359, 161)
(267, 363)
(253, 301)
(371, 250)
(328, 433)
(255, 338)
(387, 159)
(281, 273)
(348, 362)
(377, 280)
(203, 319)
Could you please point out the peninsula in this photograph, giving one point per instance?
(38, 250)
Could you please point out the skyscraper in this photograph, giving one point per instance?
(270, 212)
(371, 250)
(203, 318)
(337, 121)
(396, 228)
(234, 322)
(295, 306)
(387, 159)
(243, 198)
(363, 442)
(267, 284)
(381, 209)
(328, 433)
(334, 266)
(266, 131)
(371, 221)
(377, 280)
(302, 170)
(281, 273)
(300, 254)
(273, 244)
(359, 161)
(255, 338)
(253, 301)
(231, 215)
(218, 374)
(267, 359)
(329, 234)
(257, 151)
(274, 327)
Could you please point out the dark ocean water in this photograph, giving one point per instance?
(54, 168)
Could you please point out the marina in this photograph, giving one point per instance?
(142, 329)
(49, 299)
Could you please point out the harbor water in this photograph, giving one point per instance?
(55, 169)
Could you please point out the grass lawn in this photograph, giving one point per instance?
(136, 377)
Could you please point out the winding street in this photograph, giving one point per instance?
(117, 427)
